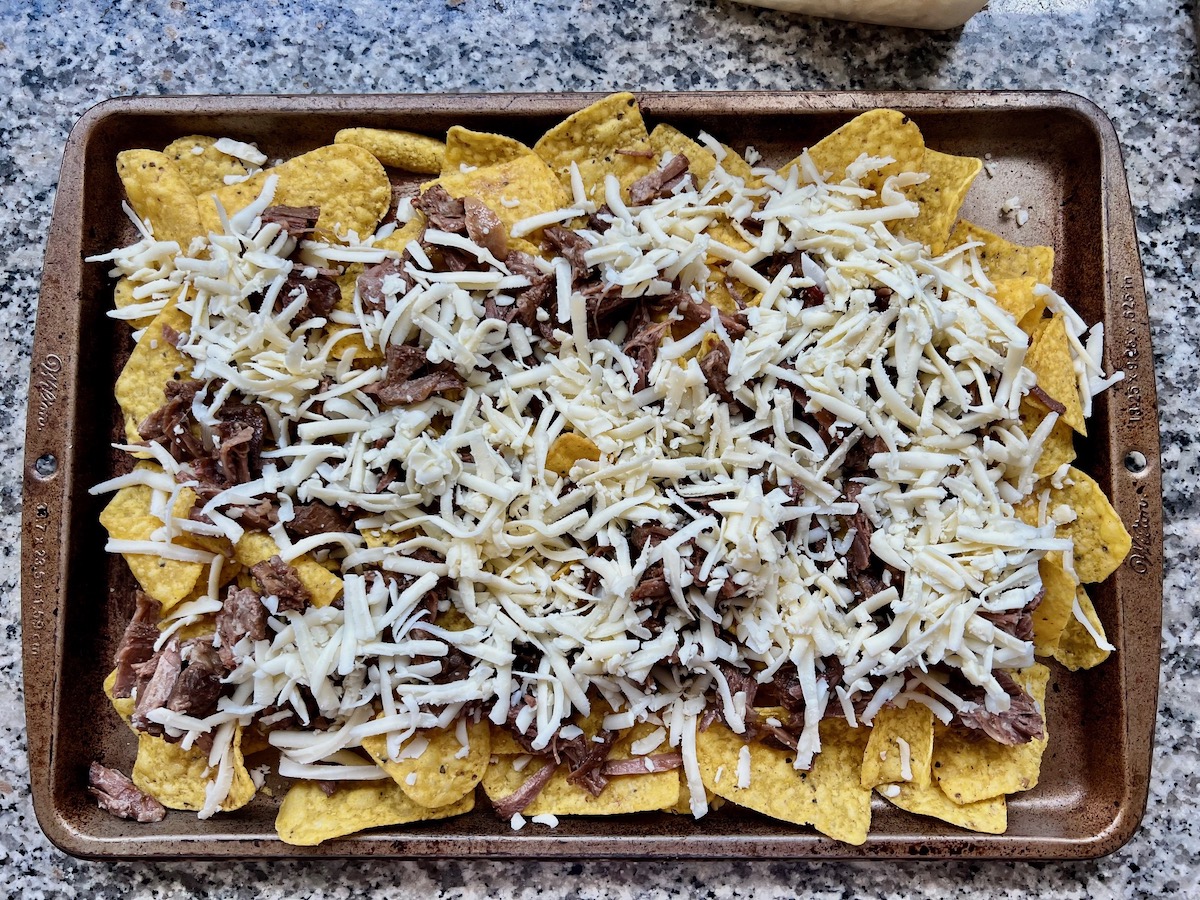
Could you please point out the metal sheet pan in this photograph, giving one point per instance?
(1058, 151)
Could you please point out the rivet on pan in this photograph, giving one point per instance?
(46, 465)
(1135, 462)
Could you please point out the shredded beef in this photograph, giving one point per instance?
(585, 759)
(321, 294)
(601, 220)
(858, 457)
(116, 794)
(696, 312)
(484, 227)
(171, 336)
(162, 671)
(636, 765)
(527, 300)
(1019, 724)
(371, 281)
(171, 424)
(242, 615)
(659, 184)
(859, 559)
(642, 347)
(198, 686)
(411, 378)
(297, 221)
(137, 643)
(276, 577)
(1038, 394)
(653, 585)
(570, 246)
(442, 211)
(715, 366)
(316, 518)
(519, 799)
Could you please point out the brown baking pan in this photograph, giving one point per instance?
(1057, 151)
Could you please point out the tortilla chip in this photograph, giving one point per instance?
(605, 138)
(503, 743)
(1049, 358)
(178, 778)
(1015, 295)
(158, 193)
(568, 448)
(1101, 541)
(257, 546)
(123, 297)
(701, 161)
(152, 364)
(308, 816)
(204, 170)
(1059, 446)
(525, 178)
(127, 517)
(988, 816)
(1004, 259)
(398, 149)
(1054, 612)
(476, 149)
(344, 180)
(439, 775)
(939, 198)
(880, 132)
(881, 763)
(829, 796)
(970, 767)
(123, 705)
(1077, 649)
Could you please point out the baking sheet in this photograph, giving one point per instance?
(1057, 151)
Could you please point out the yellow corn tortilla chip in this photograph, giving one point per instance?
(345, 181)
(1015, 295)
(123, 705)
(1004, 259)
(605, 138)
(567, 449)
(970, 767)
(829, 796)
(1101, 541)
(880, 132)
(683, 806)
(127, 517)
(159, 194)
(701, 161)
(1077, 649)
(123, 297)
(307, 816)
(1059, 446)
(439, 776)
(204, 170)
(503, 743)
(526, 179)
(1054, 612)
(883, 758)
(465, 147)
(939, 198)
(988, 816)
(398, 149)
(178, 778)
(152, 364)
(256, 546)
(1049, 358)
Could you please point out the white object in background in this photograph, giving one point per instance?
(933, 14)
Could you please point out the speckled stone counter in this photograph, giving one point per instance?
(1137, 61)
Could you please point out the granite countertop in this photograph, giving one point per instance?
(1137, 61)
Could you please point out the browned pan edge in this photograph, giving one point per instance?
(60, 351)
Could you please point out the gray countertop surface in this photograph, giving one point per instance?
(1137, 61)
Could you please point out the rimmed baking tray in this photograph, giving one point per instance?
(1056, 150)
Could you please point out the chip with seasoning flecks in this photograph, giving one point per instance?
(154, 362)
(938, 198)
(159, 194)
(900, 747)
(442, 771)
(1003, 259)
(202, 165)
(1049, 358)
(989, 816)
(179, 778)
(309, 816)
(467, 149)
(1059, 445)
(398, 149)
(1053, 613)
(567, 450)
(1077, 647)
(880, 133)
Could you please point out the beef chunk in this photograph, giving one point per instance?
(1019, 724)
(171, 424)
(484, 227)
(196, 690)
(571, 246)
(653, 585)
(321, 294)
(115, 793)
(316, 518)
(241, 430)
(277, 578)
(137, 643)
(519, 799)
(528, 300)
(410, 378)
(242, 615)
(370, 283)
(659, 184)
(642, 347)
(297, 221)
(1038, 394)
(442, 211)
(161, 672)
